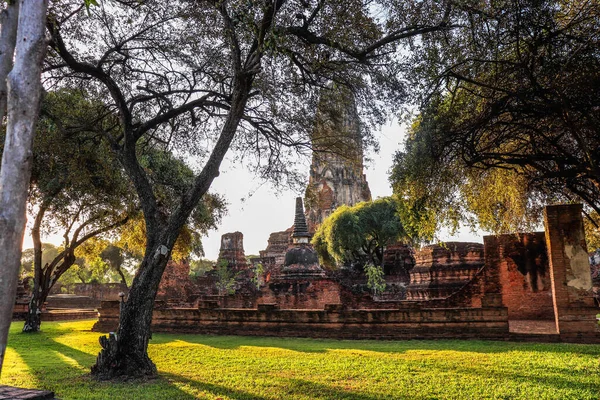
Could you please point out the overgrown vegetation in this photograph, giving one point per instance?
(226, 367)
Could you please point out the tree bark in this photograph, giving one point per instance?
(125, 355)
(24, 91)
(32, 319)
(8, 36)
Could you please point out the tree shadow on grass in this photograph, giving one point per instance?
(553, 378)
(320, 391)
(66, 371)
(308, 345)
(217, 390)
(293, 389)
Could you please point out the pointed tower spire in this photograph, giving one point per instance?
(300, 234)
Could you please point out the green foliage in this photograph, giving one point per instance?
(257, 272)
(89, 3)
(437, 189)
(247, 368)
(225, 278)
(375, 279)
(592, 232)
(359, 234)
(200, 267)
(171, 178)
(509, 114)
(49, 252)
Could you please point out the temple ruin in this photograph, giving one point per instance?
(525, 286)
(336, 172)
(533, 286)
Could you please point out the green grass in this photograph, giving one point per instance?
(227, 367)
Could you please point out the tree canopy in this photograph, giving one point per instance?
(357, 235)
(205, 77)
(510, 117)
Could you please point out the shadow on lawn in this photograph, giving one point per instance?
(51, 369)
(217, 390)
(293, 388)
(307, 345)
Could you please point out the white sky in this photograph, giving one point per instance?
(268, 211)
(265, 210)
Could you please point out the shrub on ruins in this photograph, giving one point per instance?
(510, 120)
(205, 77)
(375, 279)
(356, 236)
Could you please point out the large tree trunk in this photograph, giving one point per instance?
(33, 319)
(8, 36)
(24, 90)
(125, 355)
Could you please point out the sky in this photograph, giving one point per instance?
(256, 209)
(267, 211)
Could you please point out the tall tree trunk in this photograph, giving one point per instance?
(32, 319)
(126, 353)
(8, 36)
(24, 90)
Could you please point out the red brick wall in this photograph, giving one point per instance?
(521, 265)
(175, 285)
(334, 323)
(570, 272)
(301, 294)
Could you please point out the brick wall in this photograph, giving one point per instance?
(570, 272)
(334, 322)
(301, 294)
(521, 269)
(175, 285)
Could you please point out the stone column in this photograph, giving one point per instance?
(570, 273)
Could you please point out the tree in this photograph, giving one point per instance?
(358, 235)
(77, 189)
(375, 278)
(25, 37)
(225, 278)
(205, 77)
(439, 190)
(511, 110)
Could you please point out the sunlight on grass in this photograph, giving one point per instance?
(228, 367)
(15, 371)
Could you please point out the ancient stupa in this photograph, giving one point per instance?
(301, 259)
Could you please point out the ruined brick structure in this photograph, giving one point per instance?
(522, 262)
(232, 251)
(511, 283)
(336, 173)
(175, 285)
(441, 270)
(274, 255)
(574, 309)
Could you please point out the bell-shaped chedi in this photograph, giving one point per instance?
(336, 172)
(301, 259)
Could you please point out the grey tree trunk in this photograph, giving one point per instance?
(24, 90)
(8, 35)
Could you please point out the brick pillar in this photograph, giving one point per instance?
(492, 289)
(570, 273)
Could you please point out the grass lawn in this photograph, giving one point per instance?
(228, 367)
